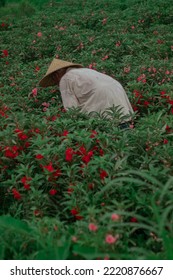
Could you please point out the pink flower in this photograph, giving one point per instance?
(92, 227)
(110, 239)
(142, 78)
(34, 91)
(46, 104)
(115, 217)
(167, 72)
(92, 66)
(127, 69)
(118, 44)
(104, 21)
(105, 57)
(131, 126)
(74, 238)
(39, 34)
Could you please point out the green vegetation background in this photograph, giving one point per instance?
(130, 40)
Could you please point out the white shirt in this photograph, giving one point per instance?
(92, 91)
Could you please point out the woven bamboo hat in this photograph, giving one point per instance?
(55, 65)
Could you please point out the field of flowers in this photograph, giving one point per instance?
(74, 186)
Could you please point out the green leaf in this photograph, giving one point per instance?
(13, 224)
(89, 253)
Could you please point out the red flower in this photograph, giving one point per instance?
(82, 151)
(49, 167)
(70, 190)
(133, 220)
(20, 134)
(23, 136)
(135, 108)
(87, 157)
(103, 174)
(57, 173)
(16, 194)
(5, 52)
(160, 41)
(93, 134)
(27, 186)
(65, 133)
(74, 211)
(25, 180)
(37, 130)
(162, 93)
(170, 102)
(17, 130)
(165, 141)
(69, 154)
(37, 68)
(91, 186)
(52, 192)
(53, 118)
(78, 217)
(101, 152)
(146, 103)
(11, 152)
(27, 144)
(39, 156)
(37, 212)
(168, 129)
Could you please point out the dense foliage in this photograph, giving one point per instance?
(74, 186)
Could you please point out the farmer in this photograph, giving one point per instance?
(85, 88)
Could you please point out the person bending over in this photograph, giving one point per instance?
(85, 88)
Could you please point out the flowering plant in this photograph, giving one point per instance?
(74, 185)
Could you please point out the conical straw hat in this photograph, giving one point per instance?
(55, 65)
